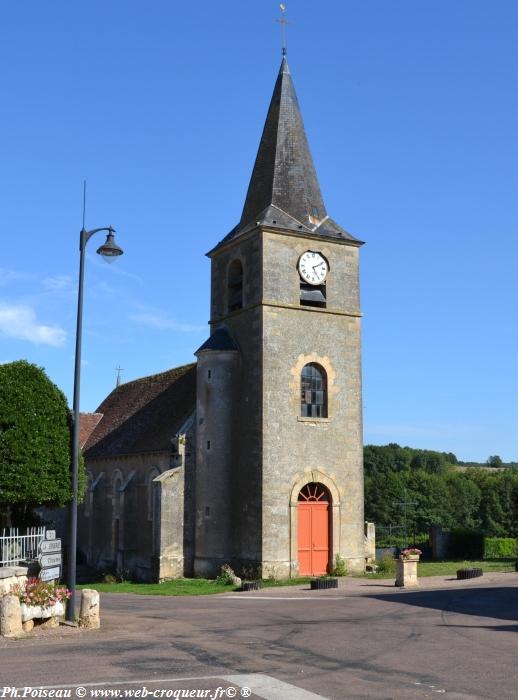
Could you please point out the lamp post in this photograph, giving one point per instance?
(109, 251)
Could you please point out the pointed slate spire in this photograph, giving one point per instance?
(284, 192)
(284, 174)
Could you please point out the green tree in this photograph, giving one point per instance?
(382, 491)
(430, 493)
(464, 501)
(35, 439)
(495, 461)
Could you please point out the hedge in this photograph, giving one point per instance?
(500, 547)
(466, 544)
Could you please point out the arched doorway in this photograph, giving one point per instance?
(313, 529)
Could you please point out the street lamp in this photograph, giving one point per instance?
(109, 251)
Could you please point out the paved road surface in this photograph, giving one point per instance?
(366, 640)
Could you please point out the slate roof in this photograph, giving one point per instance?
(284, 191)
(143, 415)
(220, 340)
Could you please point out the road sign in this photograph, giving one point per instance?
(50, 574)
(50, 534)
(47, 560)
(48, 546)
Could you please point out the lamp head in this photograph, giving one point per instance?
(110, 250)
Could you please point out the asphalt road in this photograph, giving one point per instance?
(370, 642)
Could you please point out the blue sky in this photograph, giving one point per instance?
(411, 110)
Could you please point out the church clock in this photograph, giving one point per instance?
(313, 267)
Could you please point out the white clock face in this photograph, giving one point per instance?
(313, 267)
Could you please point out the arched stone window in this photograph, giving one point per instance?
(153, 508)
(313, 391)
(117, 515)
(117, 494)
(152, 491)
(235, 286)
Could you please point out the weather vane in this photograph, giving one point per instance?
(283, 22)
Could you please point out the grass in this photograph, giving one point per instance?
(180, 586)
(202, 586)
(271, 583)
(183, 586)
(446, 568)
(449, 568)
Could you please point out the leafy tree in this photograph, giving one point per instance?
(473, 499)
(382, 491)
(35, 439)
(464, 501)
(495, 461)
(430, 493)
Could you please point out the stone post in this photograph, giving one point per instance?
(406, 572)
(10, 616)
(370, 542)
(89, 615)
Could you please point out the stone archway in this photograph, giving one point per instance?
(314, 542)
(314, 476)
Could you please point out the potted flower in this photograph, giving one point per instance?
(40, 599)
(410, 554)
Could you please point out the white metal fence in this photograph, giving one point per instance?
(15, 547)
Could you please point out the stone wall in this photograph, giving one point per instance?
(11, 575)
(275, 451)
(238, 467)
(134, 524)
(298, 449)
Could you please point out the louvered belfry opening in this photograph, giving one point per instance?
(235, 286)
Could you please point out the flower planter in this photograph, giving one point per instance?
(406, 571)
(320, 584)
(38, 612)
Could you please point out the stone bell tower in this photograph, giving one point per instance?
(279, 460)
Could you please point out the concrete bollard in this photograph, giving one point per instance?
(10, 617)
(89, 615)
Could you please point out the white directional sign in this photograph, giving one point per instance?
(49, 546)
(47, 560)
(50, 574)
(50, 534)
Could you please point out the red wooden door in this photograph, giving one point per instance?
(313, 537)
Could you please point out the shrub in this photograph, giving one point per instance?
(339, 568)
(226, 576)
(500, 547)
(402, 541)
(386, 564)
(466, 544)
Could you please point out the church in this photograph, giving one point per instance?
(251, 456)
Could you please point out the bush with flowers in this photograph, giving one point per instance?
(410, 552)
(42, 593)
